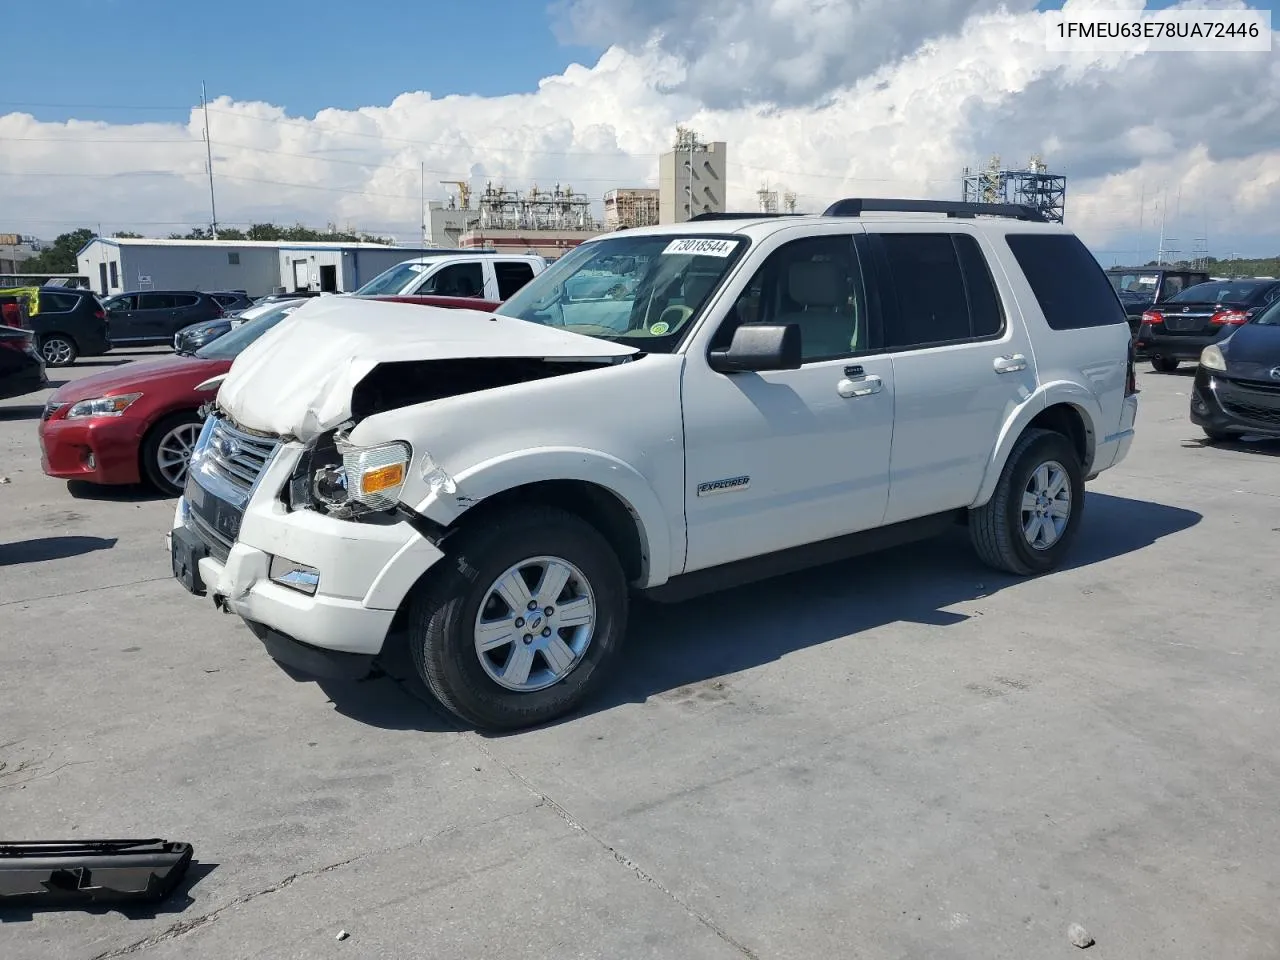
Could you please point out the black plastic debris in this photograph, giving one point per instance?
(79, 872)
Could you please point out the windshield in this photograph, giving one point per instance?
(1269, 317)
(393, 281)
(1218, 292)
(641, 290)
(229, 345)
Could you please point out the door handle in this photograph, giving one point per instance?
(1010, 363)
(862, 387)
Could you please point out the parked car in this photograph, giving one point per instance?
(1181, 327)
(743, 397)
(1237, 385)
(70, 324)
(139, 421)
(21, 368)
(190, 339)
(149, 318)
(491, 276)
(1140, 288)
(232, 301)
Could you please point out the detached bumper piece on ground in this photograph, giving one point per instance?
(74, 873)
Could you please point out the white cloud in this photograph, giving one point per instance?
(852, 100)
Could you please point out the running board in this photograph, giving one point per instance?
(769, 565)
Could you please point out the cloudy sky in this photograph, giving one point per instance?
(327, 113)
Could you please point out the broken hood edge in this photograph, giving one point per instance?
(297, 380)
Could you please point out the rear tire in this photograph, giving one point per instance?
(1021, 529)
(163, 443)
(58, 350)
(534, 670)
(1164, 364)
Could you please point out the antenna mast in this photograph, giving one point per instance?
(208, 151)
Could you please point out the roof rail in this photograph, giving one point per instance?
(857, 206)
(739, 216)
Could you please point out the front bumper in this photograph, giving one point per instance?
(97, 450)
(1223, 406)
(366, 570)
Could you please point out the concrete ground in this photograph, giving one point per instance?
(900, 756)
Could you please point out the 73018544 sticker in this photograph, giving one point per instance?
(701, 247)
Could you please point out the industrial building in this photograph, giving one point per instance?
(691, 178)
(258, 267)
(629, 207)
(549, 223)
(1034, 187)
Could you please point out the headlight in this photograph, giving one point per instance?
(1211, 358)
(102, 406)
(357, 480)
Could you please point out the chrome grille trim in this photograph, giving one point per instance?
(239, 458)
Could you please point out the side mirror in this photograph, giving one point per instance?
(756, 347)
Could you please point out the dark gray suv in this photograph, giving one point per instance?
(154, 316)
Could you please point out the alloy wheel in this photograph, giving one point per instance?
(1046, 505)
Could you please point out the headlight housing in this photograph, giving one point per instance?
(1211, 358)
(346, 480)
(102, 406)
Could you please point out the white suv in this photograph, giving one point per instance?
(668, 410)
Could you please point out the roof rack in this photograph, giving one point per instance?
(857, 206)
(739, 216)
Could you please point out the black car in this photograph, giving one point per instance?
(69, 324)
(1237, 385)
(232, 301)
(143, 319)
(190, 339)
(1181, 327)
(21, 369)
(1141, 288)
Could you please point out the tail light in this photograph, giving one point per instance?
(1229, 318)
(1153, 317)
(100, 314)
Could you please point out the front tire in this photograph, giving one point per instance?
(1164, 364)
(167, 449)
(522, 622)
(58, 350)
(1028, 524)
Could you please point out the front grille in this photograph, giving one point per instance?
(219, 546)
(238, 457)
(50, 409)
(1259, 402)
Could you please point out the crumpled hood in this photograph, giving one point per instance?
(297, 379)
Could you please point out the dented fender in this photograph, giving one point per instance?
(451, 495)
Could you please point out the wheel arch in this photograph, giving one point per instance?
(1065, 408)
(606, 492)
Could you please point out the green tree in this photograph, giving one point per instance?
(274, 232)
(126, 235)
(61, 256)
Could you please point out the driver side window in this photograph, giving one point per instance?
(813, 283)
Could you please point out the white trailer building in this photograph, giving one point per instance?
(258, 267)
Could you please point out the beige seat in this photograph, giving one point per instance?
(820, 290)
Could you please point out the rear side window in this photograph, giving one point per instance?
(185, 300)
(57, 302)
(1072, 289)
(937, 289)
(512, 275)
(156, 301)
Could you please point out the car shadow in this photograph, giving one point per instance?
(51, 548)
(21, 411)
(114, 493)
(179, 901)
(1249, 443)
(671, 647)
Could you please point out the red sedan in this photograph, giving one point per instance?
(140, 421)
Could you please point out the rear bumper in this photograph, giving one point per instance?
(1114, 447)
(94, 345)
(103, 450)
(1175, 347)
(1221, 407)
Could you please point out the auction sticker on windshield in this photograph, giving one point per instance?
(701, 247)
